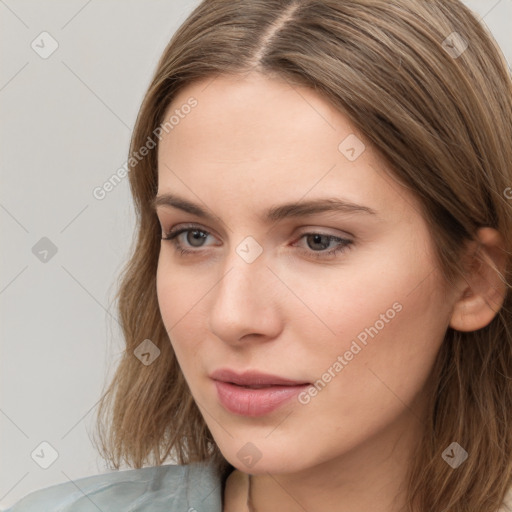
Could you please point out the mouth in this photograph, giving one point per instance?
(254, 386)
(246, 394)
(253, 379)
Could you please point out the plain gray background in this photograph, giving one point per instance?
(66, 122)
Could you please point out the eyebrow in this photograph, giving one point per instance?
(272, 214)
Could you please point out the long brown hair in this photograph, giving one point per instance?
(441, 115)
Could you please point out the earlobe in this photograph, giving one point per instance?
(484, 290)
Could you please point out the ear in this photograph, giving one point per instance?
(483, 291)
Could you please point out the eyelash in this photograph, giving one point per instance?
(344, 243)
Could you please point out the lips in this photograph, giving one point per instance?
(253, 379)
(254, 393)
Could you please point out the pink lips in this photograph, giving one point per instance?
(271, 391)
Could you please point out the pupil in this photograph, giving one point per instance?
(197, 235)
(318, 238)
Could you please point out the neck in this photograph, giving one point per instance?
(371, 477)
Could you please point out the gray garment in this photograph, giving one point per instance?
(187, 488)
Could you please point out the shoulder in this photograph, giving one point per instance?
(158, 488)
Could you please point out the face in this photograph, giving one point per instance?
(347, 300)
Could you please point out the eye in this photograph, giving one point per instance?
(325, 239)
(196, 237)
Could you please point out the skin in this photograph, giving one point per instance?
(251, 143)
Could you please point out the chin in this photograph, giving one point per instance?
(261, 458)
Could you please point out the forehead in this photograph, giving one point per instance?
(242, 117)
(255, 136)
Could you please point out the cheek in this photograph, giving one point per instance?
(389, 323)
(177, 296)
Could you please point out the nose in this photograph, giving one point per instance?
(245, 302)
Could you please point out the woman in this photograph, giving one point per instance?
(322, 271)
